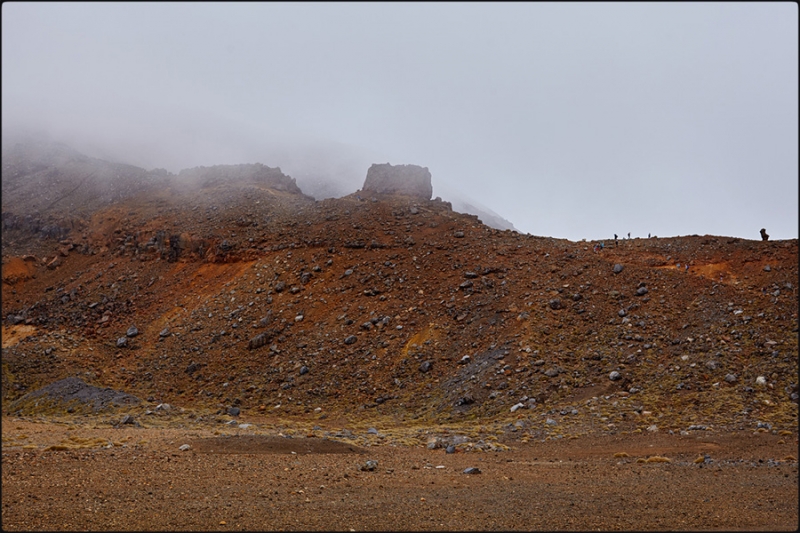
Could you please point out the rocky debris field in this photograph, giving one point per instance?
(224, 294)
(268, 477)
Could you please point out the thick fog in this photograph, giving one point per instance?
(571, 120)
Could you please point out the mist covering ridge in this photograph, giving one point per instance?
(318, 169)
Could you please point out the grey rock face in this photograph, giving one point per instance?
(73, 390)
(411, 180)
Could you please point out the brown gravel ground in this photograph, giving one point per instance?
(60, 475)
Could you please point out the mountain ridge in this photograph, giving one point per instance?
(247, 296)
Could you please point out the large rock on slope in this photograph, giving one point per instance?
(411, 180)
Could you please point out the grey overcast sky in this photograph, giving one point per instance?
(571, 120)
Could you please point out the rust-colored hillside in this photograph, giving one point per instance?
(247, 293)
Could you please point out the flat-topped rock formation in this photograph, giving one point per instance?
(411, 180)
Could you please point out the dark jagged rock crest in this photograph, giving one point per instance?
(254, 173)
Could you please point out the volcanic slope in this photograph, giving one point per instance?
(244, 292)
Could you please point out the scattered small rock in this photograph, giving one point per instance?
(369, 466)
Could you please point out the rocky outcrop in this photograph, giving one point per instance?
(257, 174)
(410, 180)
(764, 236)
(74, 395)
